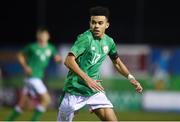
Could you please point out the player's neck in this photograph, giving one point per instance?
(99, 37)
(42, 44)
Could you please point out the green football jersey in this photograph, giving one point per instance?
(90, 54)
(38, 57)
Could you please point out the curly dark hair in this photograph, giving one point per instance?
(99, 10)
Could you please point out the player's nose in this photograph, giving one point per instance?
(96, 25)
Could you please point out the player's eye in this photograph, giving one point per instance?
(93, 22)
(101, 22)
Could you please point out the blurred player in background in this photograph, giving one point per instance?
(34, 58)
(82, 85)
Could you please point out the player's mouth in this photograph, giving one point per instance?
(96, 31)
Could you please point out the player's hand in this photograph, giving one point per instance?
(94, 85)
(138, 86)
(57, 58)
(28, 70)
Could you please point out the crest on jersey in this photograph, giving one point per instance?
(38, 52)
(105, 49)
(93, 48)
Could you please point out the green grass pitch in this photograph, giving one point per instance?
(84, 115)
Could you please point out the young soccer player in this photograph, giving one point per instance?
(82, 85)
(34, 58)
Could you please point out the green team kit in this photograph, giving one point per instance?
(38, 58)
(89, 53)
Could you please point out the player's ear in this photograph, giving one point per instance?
(49, 36)
(107, 25)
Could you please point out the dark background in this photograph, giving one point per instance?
(153, 22)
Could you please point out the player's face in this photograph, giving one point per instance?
(43, 37)
(98, 25)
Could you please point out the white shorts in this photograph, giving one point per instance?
(34, 86)
(71, 103)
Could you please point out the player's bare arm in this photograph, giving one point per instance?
(122, 69)
(22, 61)
(70, 63)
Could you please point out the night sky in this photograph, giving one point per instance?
(153, 22)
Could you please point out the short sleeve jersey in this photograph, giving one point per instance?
(38, 58)
(89, 53)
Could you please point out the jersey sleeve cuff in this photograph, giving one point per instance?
(71, 52)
